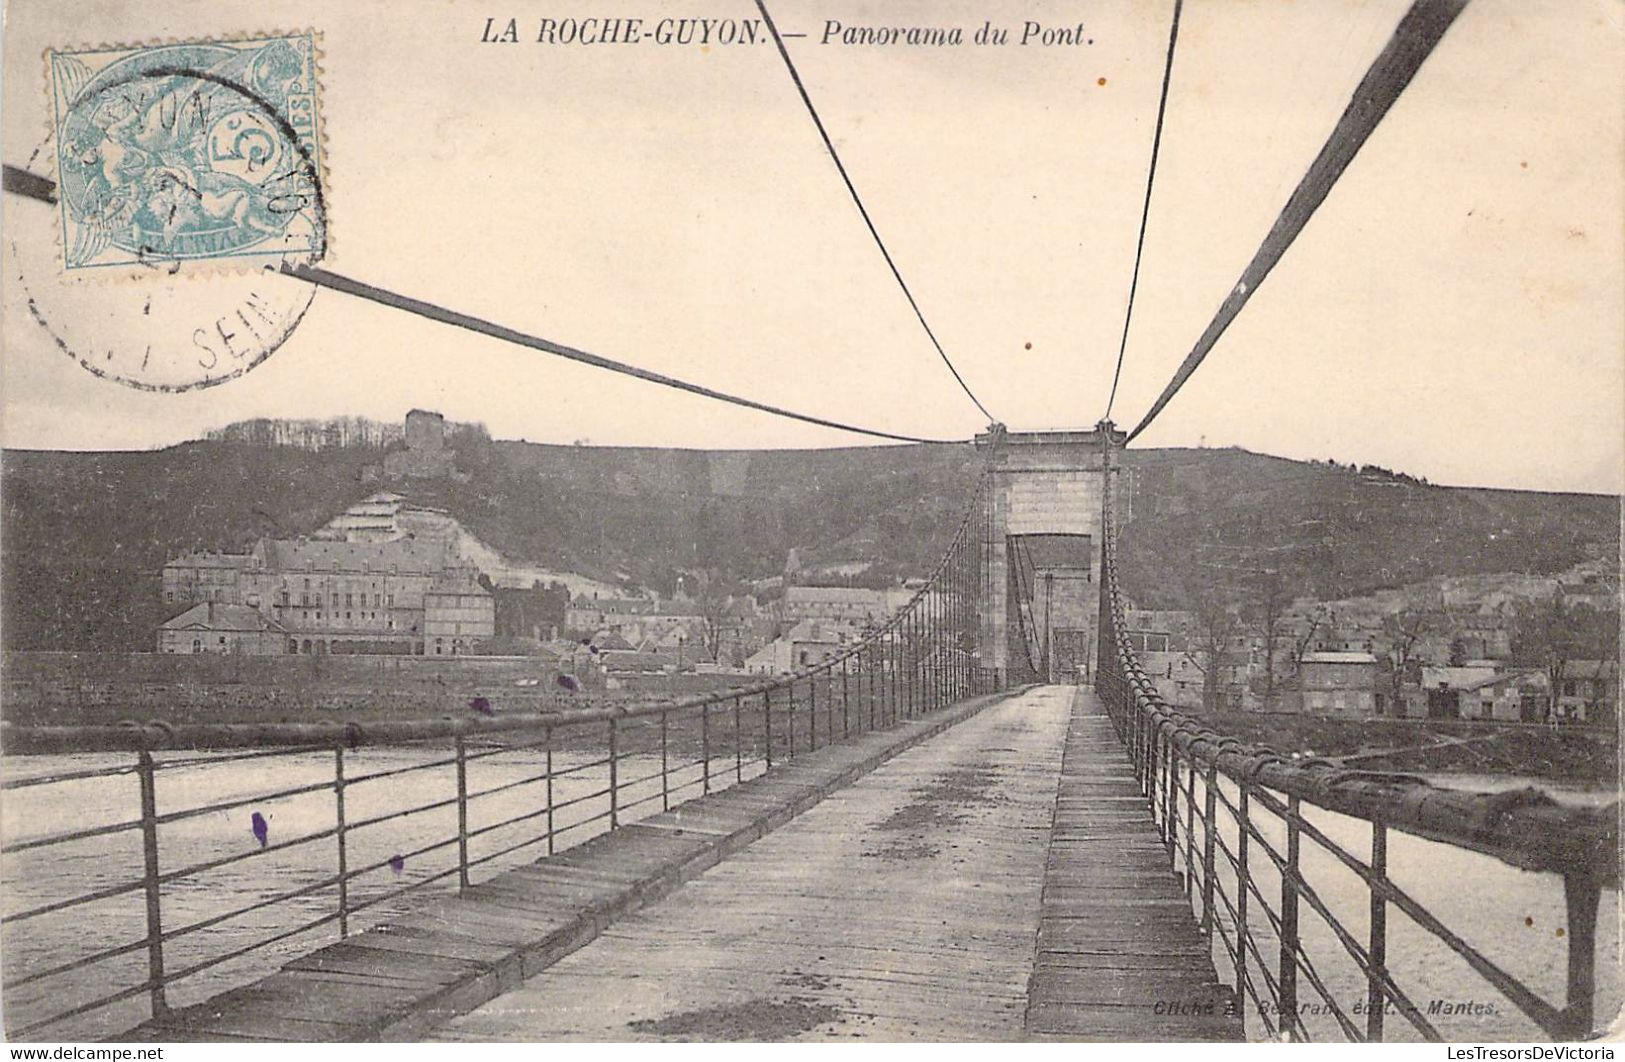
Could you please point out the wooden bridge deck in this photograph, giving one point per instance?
(973, 888)
(1120, 956)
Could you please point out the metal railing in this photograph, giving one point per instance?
(1232, 817)
(353, 818)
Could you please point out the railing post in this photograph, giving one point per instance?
(812, 711)
(1157, 771)
(1580, 893)
(739, 741)
(925, 661)
(882, 693)
(900, 671)
(950, 643)
(767, 724)
(547, 734)
(1289, 924)
(888, 674)
(149, 851)
(905, 674)
(869, 672)
(614, 774)
(1376, 999)
(462, 813)
(1142, 751)
(846, 716)
(930, 656)
(1243, 882)
(1153, 773)
(705, 746)
(1107, 682)
(665, 782)
(1210, 816)
(911, 649)
(897, 673)
(944, 649)
(1190, 829)
(953, 643)
(1147, 737)
(790, 723)
(1170, 812)
(940, 678)
(344, 865)
(829, 708)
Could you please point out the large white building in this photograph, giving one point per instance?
(807, 644)
(401, 596)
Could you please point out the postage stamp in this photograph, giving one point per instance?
(179, 153)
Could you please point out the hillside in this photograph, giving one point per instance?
(1208, 516)
(86, 534)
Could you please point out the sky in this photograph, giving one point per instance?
(1455, 310)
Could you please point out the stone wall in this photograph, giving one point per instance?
(246, 687)
(74, 688)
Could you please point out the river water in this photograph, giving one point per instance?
(1514, 918)
(34, 878)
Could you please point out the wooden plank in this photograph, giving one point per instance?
(355, 957)
(1119, 953)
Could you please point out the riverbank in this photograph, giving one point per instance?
(1569, 754)
(84, 689)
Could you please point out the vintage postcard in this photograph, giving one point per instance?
(985, 521)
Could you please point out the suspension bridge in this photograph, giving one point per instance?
(980, 821)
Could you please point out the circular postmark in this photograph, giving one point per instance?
(187, 186)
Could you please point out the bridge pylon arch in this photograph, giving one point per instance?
(1042, 541)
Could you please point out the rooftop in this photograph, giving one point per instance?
(201, 559)
(850, 595)
(217, 617)
(400, 555)
(457, 583)
(1330, 657)
(620, 606)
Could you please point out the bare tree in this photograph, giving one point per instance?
(1264, 615)
(713, 626)
(1603, 681)
(1550, 633)
(718, 624)
(1301, 643)
(1403, 631)
(1217, 624)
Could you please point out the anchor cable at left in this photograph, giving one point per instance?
(33, 186)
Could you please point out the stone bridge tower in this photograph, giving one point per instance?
(1041, 601)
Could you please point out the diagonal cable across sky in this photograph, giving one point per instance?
(851, 188)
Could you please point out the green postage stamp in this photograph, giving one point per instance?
(176, 153)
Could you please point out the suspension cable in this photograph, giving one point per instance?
(1414, 39)
(829, 145)
(1145, 210)
(33, 186)
(323, 278)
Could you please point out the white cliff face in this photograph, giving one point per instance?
(387, 517)
(506, 572)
